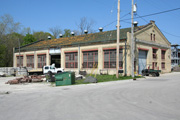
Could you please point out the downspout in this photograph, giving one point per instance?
(125, 60)
(78, 59)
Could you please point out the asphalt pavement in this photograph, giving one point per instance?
(150, 98)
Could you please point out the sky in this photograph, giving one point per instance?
(40, 15)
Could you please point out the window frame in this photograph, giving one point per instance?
(163, 65)
(154, 54)
(41, 63)
(73, 60)
(93, 61)
(31, 64)
(111, 60)
(163, 54)
(21, 60)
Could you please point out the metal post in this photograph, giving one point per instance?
(132, 42)
(125, 60)
(78, 59)
(118, 36)
(19, 58)
(19, 54)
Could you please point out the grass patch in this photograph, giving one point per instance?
(106, 78)
(103, 78)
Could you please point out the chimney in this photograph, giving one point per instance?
(72, 33)
(152, 21)
(49, 37)
(100, 29)
(86, 31)
(135, 23)
(60, 35)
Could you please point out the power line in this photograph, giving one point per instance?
(124, 20)
(155, 13)
(170, 33)
(116, 20)
(160, 29)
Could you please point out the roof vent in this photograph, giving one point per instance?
(100, 29)
(72, 33)
(86, 31)
(135, 23)
(60, 35)
(49, 37)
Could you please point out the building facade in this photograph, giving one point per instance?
(175, 55)
(96, 52)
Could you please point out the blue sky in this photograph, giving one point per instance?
(40, 15)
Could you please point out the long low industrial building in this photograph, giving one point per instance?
(97, 52)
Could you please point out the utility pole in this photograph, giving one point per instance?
(19, 54)
(132, 41)
(118, 36)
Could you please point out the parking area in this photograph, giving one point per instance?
(7, 88)
(150, 98)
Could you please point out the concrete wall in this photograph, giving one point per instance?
(14, 71)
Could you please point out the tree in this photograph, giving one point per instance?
(67, 33)
(8, 39)
(26, 31)
(55, 31)
(28, 39)
(41, 35)
(7, 25)
(2, 53)
(85, 24)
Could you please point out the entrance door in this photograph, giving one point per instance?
(56, 59)
(142, 60)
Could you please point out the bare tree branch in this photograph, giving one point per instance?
(55, 31)
(85, 24)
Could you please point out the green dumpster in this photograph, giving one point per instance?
(65, 78)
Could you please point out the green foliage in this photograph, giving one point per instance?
(2, 53)
(28, 39)
(67, 33)
(106, 78)
(42, 35)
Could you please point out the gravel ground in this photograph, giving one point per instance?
(150, 98)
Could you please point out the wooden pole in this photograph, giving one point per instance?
(118, 36)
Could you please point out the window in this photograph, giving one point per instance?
(154, 54)
(41, 61)
(163, 65)
(46, 68)
(30, 61)
(151, 36)
(110, 58)
(71, 60)
(163, 54)
(90, 59)
(154, 65)
(154, 37)
(20, 62)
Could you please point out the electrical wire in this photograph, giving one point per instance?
(116, 20)
(155, 13)
(160, 29)
(155, 5)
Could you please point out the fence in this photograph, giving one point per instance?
(16, 71)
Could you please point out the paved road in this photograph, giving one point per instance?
(143, 99)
